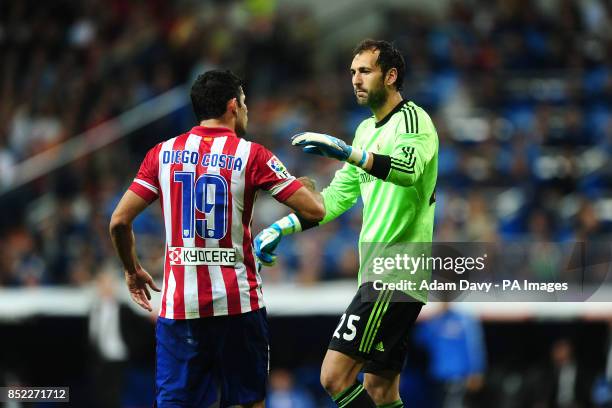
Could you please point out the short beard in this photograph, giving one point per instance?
(240, 131)
(240, 128)
(376, 98)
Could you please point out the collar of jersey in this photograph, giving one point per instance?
(212, 131)
(393, 112)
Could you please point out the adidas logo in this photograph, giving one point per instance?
(380, 347)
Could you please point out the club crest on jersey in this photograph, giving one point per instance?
(278, 168)
(174, 255)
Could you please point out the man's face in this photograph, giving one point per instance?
(242, 116)
(368, 80)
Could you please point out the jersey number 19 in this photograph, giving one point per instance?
(207, 196)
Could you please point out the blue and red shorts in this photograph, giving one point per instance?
(215, 361)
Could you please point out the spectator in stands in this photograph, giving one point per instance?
(118, 338)
(564, 383)
(493, 75)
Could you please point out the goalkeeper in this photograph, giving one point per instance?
(392, 164)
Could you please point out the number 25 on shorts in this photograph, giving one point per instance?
(352, 330)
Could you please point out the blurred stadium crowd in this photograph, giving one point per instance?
(520, 91)
(520, 94)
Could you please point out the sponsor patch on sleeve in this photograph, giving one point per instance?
(278, 168)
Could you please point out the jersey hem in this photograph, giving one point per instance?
(192, 316)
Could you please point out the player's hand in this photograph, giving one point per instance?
(137, 285)
(329, 146)
(323, 145)
(265, 243)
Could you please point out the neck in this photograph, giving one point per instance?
(392, 101)
(218, 122)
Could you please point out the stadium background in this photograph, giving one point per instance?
(520, 92)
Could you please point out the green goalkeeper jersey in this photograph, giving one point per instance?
(400, 209)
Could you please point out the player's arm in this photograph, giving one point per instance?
(143, 191)
(269, 174)
(122, 235)
(121, 231)
(307, 203)
(338, 197)
(405, 165)
(306, 196)
(411, 154)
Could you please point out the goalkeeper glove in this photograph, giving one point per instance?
(329, 146)
(268, 239)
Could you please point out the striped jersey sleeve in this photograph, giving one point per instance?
(414, 148)
(271, 175)
(146, 182)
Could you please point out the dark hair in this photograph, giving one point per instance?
(211, 92)
(389, 57)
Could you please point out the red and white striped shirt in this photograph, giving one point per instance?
(207, 180)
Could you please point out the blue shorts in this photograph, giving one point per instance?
(221, 360)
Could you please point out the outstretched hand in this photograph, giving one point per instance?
(137, 285)
(329, 146)
(322, 145)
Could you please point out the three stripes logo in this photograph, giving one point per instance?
(411, 122)
(407, 165)
(376, 317)
(411, 118)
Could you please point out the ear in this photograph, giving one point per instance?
(391, 77)
(232, 106)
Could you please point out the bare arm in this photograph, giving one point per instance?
(308, 205)
(307, 202)
(308, 183)
(124, 242)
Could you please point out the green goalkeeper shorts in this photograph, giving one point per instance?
(376, 328)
